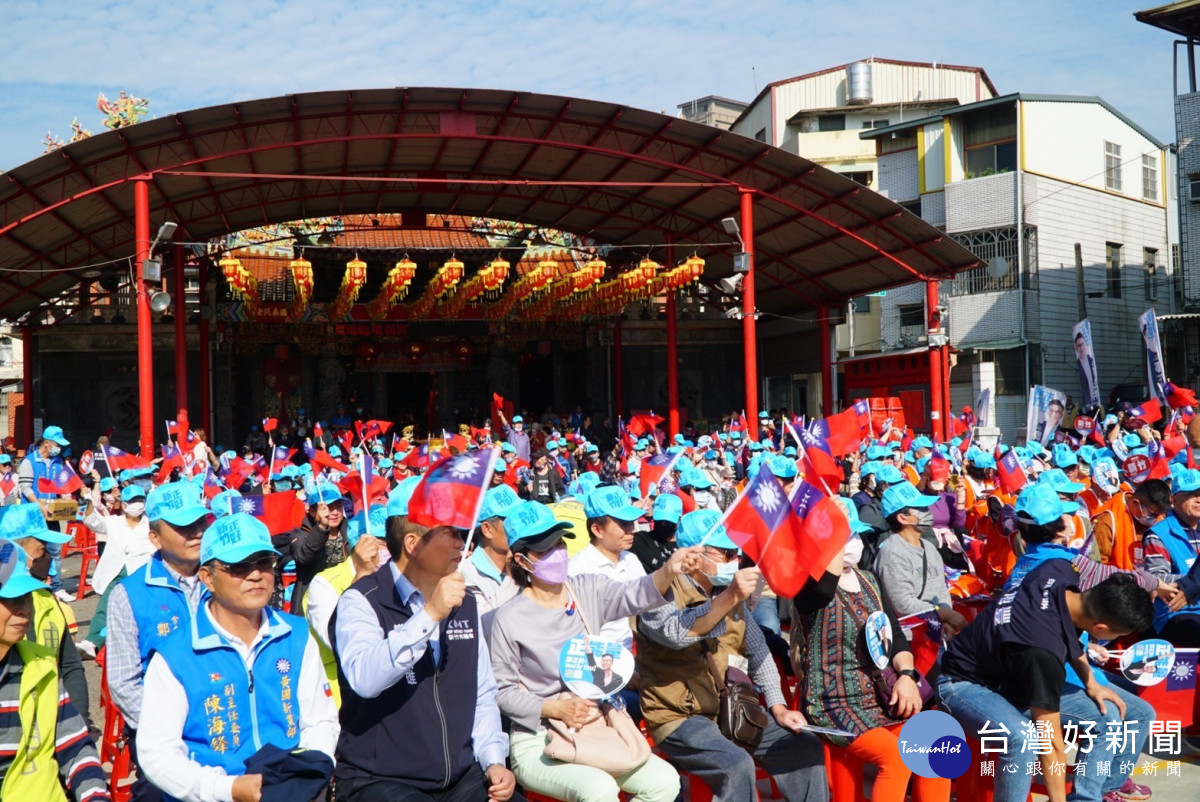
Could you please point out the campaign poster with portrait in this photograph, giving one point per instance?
(594, 668)
(1148, 662)
(1085, 355)
(879, 638)
(1155, 372)
(1045, 414)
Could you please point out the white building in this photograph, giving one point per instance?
(1088, 188)
(714, 110)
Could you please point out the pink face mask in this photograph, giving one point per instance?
(552, 568)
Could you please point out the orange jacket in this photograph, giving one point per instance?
(1116, 537)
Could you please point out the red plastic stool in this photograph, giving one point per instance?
(82, 538)
(89, 556)
(845, 774)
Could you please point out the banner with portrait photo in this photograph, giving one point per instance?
(1156, 375)
(1045, 415)
(1085, 355)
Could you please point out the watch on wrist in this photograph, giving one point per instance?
(912, 674)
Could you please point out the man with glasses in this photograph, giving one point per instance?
(707, 620)
(240, 676)
(157, 599)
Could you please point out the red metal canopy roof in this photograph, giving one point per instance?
(619, 175)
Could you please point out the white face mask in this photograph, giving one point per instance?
(854, 553)
(135, 509)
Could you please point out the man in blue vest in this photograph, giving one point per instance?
(157, 599)
(419, 715)
(239, 676)
(1170, 548)
(44, 462)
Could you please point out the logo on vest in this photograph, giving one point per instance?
(283, 665)
(411, 677)
(460, 629)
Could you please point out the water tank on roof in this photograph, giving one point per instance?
(858, 83)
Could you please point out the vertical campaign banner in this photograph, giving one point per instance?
(1156, 375)
(1085, 355)
(1045, 414)
(983, 408)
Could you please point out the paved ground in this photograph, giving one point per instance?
(1152, 769)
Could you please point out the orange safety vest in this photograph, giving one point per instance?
(1090, 502)
(1126, 551)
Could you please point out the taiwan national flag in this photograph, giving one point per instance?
(1149, 411)
(270, 424)
(283, 454)
(281, 512)
(819, 465)
(642, 425)
(655, 469)
(843, 432)
(212, 484)
(418, 458)
(318, 430)
(119, 460)
(1179, 396)
(451, 492)
(455, 441)
(1009, 472)
(172, 458)
(62, 482)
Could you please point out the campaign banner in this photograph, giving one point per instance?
(1045, 414)
(1085, 355)
(594, 668)
(983, 408)
(1156, 375)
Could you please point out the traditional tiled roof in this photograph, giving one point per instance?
(442, 232)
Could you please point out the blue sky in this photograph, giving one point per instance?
(58, 55)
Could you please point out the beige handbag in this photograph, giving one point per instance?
(609, 740)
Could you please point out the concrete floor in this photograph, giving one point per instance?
(1152, 769)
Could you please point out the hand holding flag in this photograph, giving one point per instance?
(451, 492)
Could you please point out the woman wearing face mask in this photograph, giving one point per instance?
(318, 543)
(528, 633)
(949, 511)
(127, 549)
(837, 689)
(909, 568)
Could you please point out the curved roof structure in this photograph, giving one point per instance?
(616, 174)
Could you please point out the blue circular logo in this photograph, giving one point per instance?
(932, 744)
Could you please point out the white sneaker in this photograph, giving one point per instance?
(87, 649)
(63, 596)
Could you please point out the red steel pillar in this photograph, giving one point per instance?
(828, 374)
(27, 384)
(203, 363)
(672, 355)
(618, 371)
(141, 225)
(937, 389)
(180, 288)
(749, 334)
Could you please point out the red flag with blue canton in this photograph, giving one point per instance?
(1149, 411)
(842, 432)
(63, 481)
(281, 512)
(822, 532)
(819, 464)
(654, 470)
(1179, 396)
(119, 460)
(1009, 471)
(172, 458)
(642, 425)
(451, 492)
(269, 424)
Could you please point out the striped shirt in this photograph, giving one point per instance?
(78, 762)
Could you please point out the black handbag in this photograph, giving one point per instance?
(739, 715)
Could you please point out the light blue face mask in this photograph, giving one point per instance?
(725, 573)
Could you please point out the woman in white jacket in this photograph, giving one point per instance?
(127, 548)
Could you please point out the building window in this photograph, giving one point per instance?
(875, 124)
(1112, 166)
(831, 122)
(761, 136)
(988, 244)
(1150, 176)
(862, 304)
(911, 315)
(990, 142)
(1112, 268)
(912, 206)
(898, 141)
(863, 177)
(1150, 274)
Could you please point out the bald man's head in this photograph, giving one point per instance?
(1193, 432)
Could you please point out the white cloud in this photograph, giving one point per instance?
(651, 55)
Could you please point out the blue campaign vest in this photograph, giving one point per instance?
(233, 711)
(43, 471)
(159, 605)
(1175, 538)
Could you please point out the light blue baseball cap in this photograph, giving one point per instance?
(781, 466)
(130, 474)
(695, 526)
(611, 502)
(26, 520)
(225, 503)
(585, 483)
(15, 579)
(889, 474)
(1064, 457)
(497, 502)
(107, 484)
(877, 452)
(922, 442)
(518, 419)
(668, 507)
(131, 492)
(695, 478)
(1040, 503)
(508, 447)
(903, 495)
(532, 525)
(177, 503)
(233, 538)
(856, 525)
(399, 496)
(1058, 480)
(1087, 454)
(1186, 481)
(55, 433)
(325, 493)
(982, 459)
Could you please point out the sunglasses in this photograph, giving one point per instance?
(265, 565)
